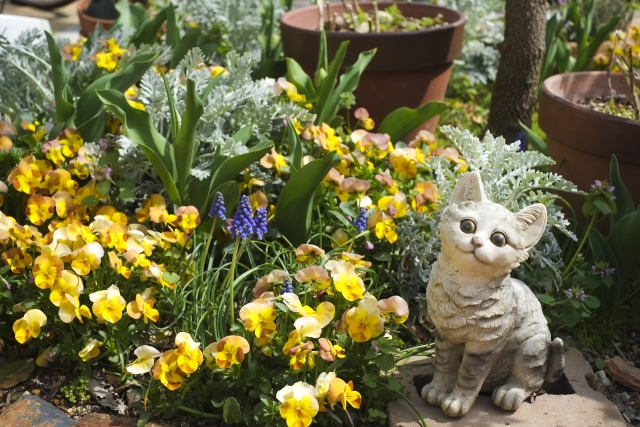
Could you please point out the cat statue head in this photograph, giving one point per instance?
(483, 238)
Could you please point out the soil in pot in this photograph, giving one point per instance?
(581, 139)
(389, 20)
(409, 68)
(618, 105)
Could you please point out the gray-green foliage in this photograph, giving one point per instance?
(483, 30)
(235, 102)
(237, 21)
(25, 74)
(511, 178)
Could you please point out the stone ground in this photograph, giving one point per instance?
(64, 20)
(570, 402)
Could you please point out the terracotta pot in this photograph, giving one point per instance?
(409, 69)
(581, 140)
(88, 23)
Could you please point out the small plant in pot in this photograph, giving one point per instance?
(415, 44)
(103, 12)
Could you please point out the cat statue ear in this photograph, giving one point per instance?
(469, 189)
(532, 220)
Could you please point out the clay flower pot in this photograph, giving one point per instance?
(409, 69)
(582, 140)
(88, 23)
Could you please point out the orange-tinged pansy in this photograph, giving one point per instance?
(142, 306)
(227, 352)
(307, 254)
(167, 370)
(316, 275)
(342, 392)
(16, 259)
(188, 218)
(395, 306)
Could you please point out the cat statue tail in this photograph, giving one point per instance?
(555, 360)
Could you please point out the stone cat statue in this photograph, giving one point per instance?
(490, 330)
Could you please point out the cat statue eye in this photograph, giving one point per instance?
(467, 226)
(498, 239)
(491, 334)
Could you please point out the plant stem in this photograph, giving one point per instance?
(231, 278)
(584, 240)
(424, 423)
(198, 413)
(206, 247)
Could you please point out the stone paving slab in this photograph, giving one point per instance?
(584, 408)
(32, 411)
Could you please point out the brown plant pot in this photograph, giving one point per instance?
(88, 23)
(581, 140)
(408, 70)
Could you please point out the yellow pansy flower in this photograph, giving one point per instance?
(72, 309)
(345, 279)
(16, 259)
(342, 392)
(144, 361)
(39, 209)
(46, 269)
(299, 404)
(188, 352)
(259, 317)
(108, 305)
(364, 322)
(87, 258)
(29, 326)
(71, 141)
(142, 306)
(188, 218)
(68, 285)
(91, 350)
(227, 352)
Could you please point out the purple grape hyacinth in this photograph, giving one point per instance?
(361, 221)
(287, 286)
(260, 220)
(217, 207)
(242, 223)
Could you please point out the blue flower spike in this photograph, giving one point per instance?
(242, 223)
(217, 207)
(361, 221)
(260, 220)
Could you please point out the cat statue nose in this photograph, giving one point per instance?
(477, 241)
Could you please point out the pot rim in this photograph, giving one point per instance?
(571, 104)
(82, 6)
(353, 35)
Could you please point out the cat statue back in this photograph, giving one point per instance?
(490, 330)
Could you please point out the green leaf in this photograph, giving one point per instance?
(532, 138)
(173, 31)
(399, 123)
(592, 301)
(323, 61)
(126, 19)
(295, 147)
(602, 206)
(213, 83)
(600, 364)
(90, 116)
(348, 83)
(394, 385)
(173, 112)
(61, 90)
(624, 201)
(570, 315)
(223, 172)
(185, 144)
(90, 200)
(144, 417)
(300, 79)
(140, 130)
(295, 204)
(103, 187)
(188, 42)
(341, 218)
(370, 380)
(148, 31)
(243, 134)
(170, 277)
(602, 252)
(546, 299)
(329, 81)
(231, 411)
(385, 362)
(624, 240)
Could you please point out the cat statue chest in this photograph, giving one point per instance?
(490, 329)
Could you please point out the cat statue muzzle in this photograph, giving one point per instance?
(490, 330)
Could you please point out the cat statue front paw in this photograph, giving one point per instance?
(509, 396)
(434, 393)
(457, 404)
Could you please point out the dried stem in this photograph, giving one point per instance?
(611, 61)
(356, 7)
(332, 23)
(354, 20)
(633, 82)
(375, 16)
(320, 15)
